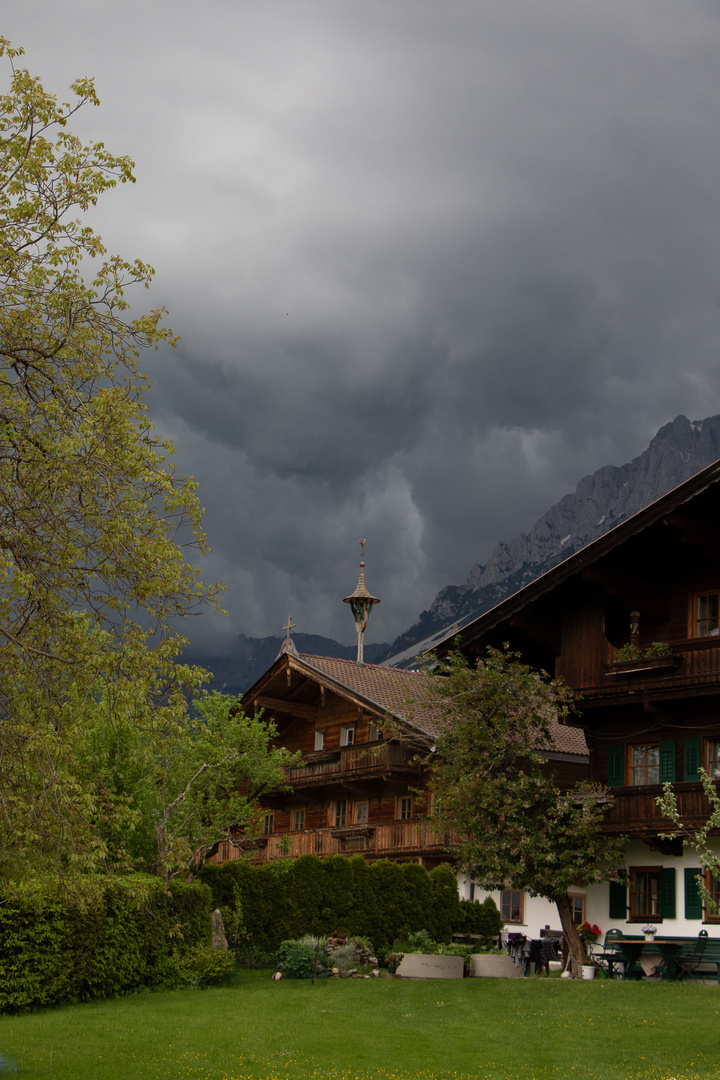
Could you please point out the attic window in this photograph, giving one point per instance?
(347, 735)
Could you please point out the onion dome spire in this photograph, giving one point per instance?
(361, 603)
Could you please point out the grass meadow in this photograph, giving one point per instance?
(492, 1029)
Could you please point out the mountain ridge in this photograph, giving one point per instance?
(600, 501)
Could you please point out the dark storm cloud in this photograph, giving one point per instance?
(431, 263)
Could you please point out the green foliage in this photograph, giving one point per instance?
(697, 838)
(197, 969)
(133, 933)
(632, 652)
(92, 575)
(481, 920)
(379, 901)
(421, 942)
(303, 959)
(495, 788)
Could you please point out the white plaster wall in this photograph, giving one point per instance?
(639, 854)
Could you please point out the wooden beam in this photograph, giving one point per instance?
(632, 591)
(294, 708)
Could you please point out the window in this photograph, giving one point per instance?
(645, 764)
(319, 740)
(645, 893)
(373, 733)
(361, 813)
(405, 808)
(577, 902)
(347, 734)
(706, 615)
(511, 906)
(712, 884)
(268, 823)
(340, 812)
(713, 758)
(298, 820)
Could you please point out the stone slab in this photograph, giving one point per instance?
(424, 966)
(491, 966)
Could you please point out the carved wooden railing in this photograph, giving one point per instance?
(364, 759)
(634, 809)
(691, 664)
(397, 838)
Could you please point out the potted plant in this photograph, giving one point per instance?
(589, 933)
(649, 931)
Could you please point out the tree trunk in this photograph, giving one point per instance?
(576, 949)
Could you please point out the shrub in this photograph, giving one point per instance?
(298, 960)
(54, 951)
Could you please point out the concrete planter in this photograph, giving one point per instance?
(492, 966)
(426, 966)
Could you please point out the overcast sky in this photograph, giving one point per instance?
(431, 261)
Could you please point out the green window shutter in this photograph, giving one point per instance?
(667, 761)
(691, 759)
(667, 892)
(618, 900)
(693, 900)
(616, 764)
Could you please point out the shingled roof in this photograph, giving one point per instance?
(390, 691)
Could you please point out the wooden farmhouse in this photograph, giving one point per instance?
(365, 733)
(360, 788)
(632, 623)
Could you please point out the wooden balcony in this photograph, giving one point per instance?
(396, 840)
(365, 760)
(634, 810)
(693, 667)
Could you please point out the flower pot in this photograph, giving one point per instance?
(588, 971)
(649, 937)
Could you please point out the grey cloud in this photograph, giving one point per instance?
(431, 263)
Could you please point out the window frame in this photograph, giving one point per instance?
(320, 738)
(510, 906)
(630, 769)
(356, 811)
(404, 807)
(347, 734)
(579, 915)
(268, 823)
(709, 759)
(298, 816)
(340, 813)
(712, 884)
(696, 618)
(646, 915)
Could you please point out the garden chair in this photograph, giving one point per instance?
(690, 957)
(607, 956)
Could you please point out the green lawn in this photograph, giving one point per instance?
(379, 1030)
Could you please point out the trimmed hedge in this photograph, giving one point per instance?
(382, 901)
(54, 951)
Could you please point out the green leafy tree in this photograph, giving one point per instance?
(494, 785)
(94, 521)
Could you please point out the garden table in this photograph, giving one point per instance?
(669, 949)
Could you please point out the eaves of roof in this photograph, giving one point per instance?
(584, 557)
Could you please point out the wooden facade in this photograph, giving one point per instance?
(365, 733)
(360, 788)
(650, 591)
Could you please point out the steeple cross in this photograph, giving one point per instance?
(290, 625)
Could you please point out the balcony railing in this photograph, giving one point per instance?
(691, 665)
(634, 810)
(351, 762)
(397, 839)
